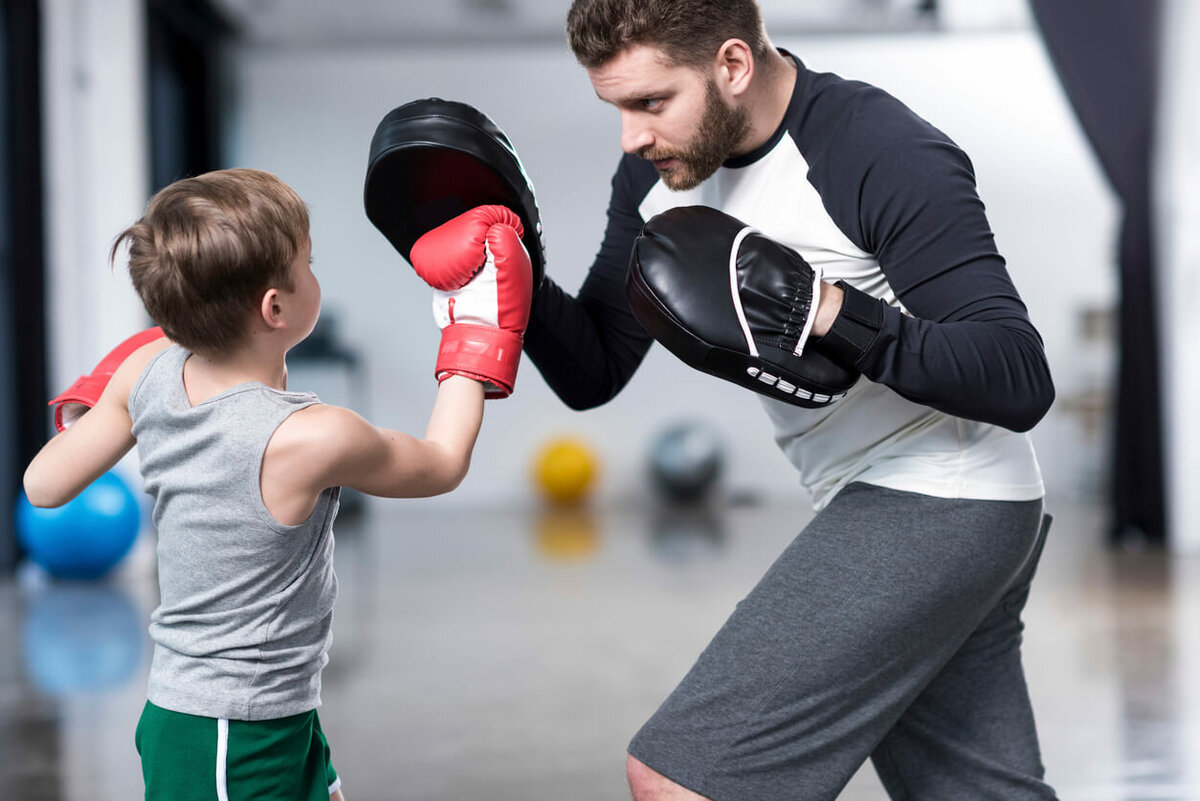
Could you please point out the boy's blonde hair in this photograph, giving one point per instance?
(207, 249)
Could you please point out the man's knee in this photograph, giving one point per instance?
(647, 784)
(641, 779)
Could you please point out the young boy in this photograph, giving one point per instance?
(245, 475)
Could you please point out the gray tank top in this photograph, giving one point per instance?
(245, 612)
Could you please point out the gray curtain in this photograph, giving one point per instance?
(22, 294)
(1106, 53)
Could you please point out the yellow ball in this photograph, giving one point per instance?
(565, 470)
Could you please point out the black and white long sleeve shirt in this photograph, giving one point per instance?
(954, 371)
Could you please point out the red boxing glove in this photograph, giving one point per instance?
(69, 406)
(483, 286)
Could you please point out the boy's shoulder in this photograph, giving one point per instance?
(311, 447)
(321, 420)
(130, 370)
(319, 432)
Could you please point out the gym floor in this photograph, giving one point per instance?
(511, 654)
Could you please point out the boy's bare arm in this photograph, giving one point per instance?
(324, 446)
(82, 453)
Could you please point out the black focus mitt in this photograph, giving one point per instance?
(733, 303)
(432, 160)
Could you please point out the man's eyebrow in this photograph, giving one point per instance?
(630, 98)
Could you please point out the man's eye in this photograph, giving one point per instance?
(650, 104)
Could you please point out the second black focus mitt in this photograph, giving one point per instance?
(733, 303)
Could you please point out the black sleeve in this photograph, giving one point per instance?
(968, 348)
(588, 347)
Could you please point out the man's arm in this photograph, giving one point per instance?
(903, 191)
(588, 347)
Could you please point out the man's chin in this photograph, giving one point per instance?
(678, 180)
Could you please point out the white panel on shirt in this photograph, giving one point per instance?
(774, 196)
(873, 434)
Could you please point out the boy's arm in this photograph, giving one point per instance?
(94, 443)
(72, 403)
(325, 446)
(482, 278)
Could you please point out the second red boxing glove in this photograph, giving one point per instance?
(70, 405)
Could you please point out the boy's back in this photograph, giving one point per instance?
(246, 607)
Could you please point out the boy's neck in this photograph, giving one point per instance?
(206, 375)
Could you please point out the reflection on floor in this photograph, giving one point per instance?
(510, 655)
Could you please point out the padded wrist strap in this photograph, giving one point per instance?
(481, 352)
(855, 328)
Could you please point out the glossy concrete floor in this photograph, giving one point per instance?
(509, 654)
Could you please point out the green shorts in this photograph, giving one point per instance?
(193, 758)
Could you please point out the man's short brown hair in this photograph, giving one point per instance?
(207, 249)
(689, 31)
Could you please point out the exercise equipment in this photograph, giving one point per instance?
(565, 470)
(431, 160)
(85, 537)
(686, 461)
(73, 402)
(482, 283)
(733, 303)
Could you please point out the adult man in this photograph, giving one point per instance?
(890, 627)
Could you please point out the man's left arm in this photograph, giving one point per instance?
(967, 346)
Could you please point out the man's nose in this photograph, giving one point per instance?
(635, 135)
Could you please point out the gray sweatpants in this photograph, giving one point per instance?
(888, 629)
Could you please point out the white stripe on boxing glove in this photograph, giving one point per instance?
(476, 303)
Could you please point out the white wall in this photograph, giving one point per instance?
(1178, 213)
(96, 171)
(309, 117)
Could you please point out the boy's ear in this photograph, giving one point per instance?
(271, 309)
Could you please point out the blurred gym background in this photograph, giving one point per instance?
(505, 640)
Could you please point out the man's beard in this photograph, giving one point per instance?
(720, 130)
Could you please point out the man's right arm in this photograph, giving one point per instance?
(587, 347)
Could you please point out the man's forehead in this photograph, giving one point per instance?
(635, 73)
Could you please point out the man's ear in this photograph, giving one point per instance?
(734, 66)
(271, 309)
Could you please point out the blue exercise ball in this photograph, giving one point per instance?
(85, 537)
(686, 461)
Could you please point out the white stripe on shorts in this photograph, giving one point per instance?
(222, 754)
